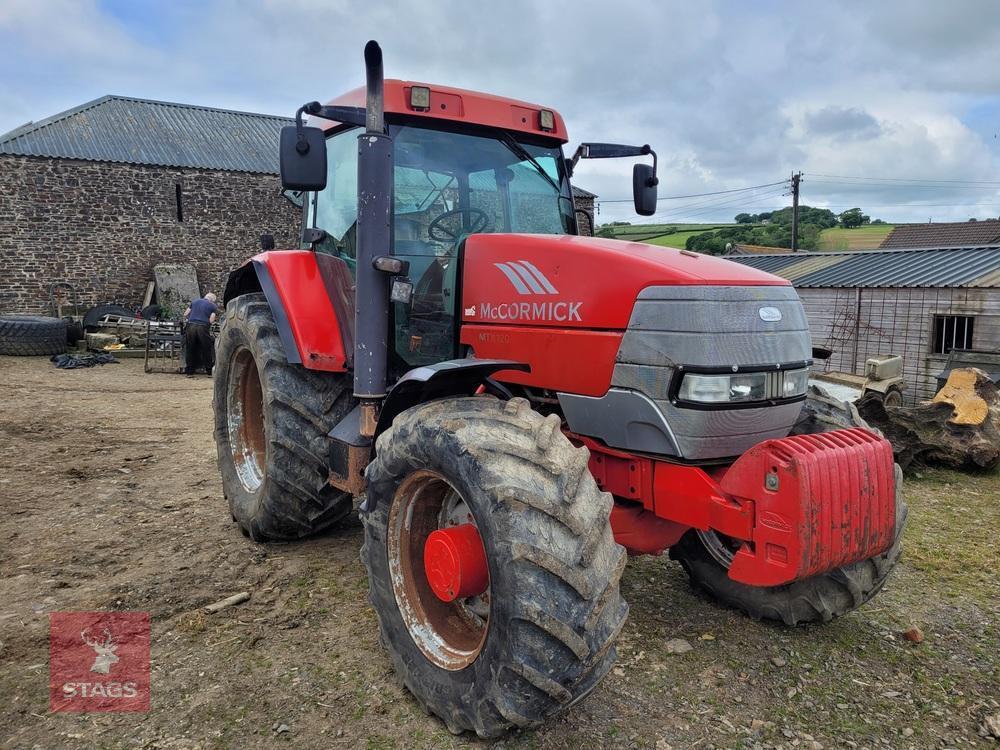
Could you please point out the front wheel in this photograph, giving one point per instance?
(491, 564)
(706, 557)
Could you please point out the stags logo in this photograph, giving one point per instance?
(527, 280)
(99, 661)
(105, 651)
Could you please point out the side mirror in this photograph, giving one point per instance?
(303, 158)
(644, 179)
(644, 184)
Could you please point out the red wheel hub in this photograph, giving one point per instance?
(455, 562)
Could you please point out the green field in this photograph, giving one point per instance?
(666, 235)
(863, 238)
(677, 239)
(675, 235)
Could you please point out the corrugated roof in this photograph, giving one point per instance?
(579, 192)
(143, 131)
(915, 267)
(741, 248)
(946, 234)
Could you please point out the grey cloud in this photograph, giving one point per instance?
(712, 86)
(842, 123)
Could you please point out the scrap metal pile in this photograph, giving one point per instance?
(152, 330)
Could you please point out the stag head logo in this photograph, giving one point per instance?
(105, 651)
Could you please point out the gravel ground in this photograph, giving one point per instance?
(110, 500)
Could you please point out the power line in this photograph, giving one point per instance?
(726, 201)
(903, 186)
(700, 209)
(699, 195)
(905, 179)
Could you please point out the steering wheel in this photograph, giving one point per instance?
(440, 233)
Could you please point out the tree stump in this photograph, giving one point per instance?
(959, 428)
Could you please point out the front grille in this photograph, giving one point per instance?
(715, 328)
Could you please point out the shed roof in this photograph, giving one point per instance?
(742, 248)
(143, 131)
(977, 266)
(947, 234)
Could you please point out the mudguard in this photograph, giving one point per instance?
(455, 377)
(311, 296)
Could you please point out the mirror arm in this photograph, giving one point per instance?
(654, 180)
(301, 145)
(346, 115)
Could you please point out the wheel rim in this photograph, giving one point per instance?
(245, 408)
(450, 634)
(717, 547)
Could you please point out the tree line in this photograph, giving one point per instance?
(774, 228)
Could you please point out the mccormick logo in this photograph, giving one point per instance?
(99, 661)
(527, 280)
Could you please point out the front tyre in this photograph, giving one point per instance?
(706, 557)
(271, 423)
(537, 633)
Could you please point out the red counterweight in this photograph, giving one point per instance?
(801, 505)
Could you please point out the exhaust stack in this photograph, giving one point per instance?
(375, 169)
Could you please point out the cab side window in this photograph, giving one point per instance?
(335, 208)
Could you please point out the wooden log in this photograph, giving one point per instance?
(959, 428)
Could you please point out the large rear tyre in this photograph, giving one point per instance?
(541, 634)
(271, 423)
(32, 335)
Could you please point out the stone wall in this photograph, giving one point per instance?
(585, 202)
(103, 226)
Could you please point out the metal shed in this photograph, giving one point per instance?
(919, 303)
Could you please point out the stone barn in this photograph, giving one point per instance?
(99, 194)
(917, 303)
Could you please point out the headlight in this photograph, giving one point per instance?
(717, 389)
(794, 383)
(743, 387)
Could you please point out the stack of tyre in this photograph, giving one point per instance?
(32, 335)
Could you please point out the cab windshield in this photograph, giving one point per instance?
(453, 184)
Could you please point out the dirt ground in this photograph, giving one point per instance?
(110, 500)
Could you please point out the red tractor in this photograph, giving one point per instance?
(519, 408)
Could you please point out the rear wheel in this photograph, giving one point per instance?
(491, 564)
(271, 423)
(893, 397)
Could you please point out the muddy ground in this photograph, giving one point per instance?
(110, 500)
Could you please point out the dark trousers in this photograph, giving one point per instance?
(199, 351)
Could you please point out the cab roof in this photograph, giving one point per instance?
(458, 106)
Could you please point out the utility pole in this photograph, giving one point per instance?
(796, 178)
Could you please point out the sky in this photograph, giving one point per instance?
(892, 106)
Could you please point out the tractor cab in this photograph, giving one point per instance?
(447, 185)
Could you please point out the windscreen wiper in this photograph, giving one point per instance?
(522, 153)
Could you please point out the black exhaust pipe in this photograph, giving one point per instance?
(374, 114)
(375, 167)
